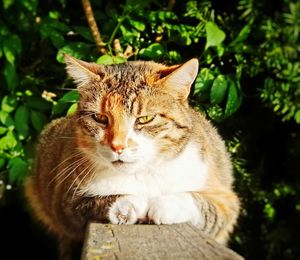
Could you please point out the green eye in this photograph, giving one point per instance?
(145, 119)
(101, 119)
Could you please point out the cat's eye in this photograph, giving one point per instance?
(145, 119)
(101, 119)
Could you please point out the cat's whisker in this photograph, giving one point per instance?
(90, 181)
(70, 173)
(77, 177)
(58, 175)
(68, 167)
(81, 181)
(78, 152)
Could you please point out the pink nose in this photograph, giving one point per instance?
(118, 148)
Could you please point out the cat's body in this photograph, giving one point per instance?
(134, 152)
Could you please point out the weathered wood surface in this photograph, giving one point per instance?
(136, 242)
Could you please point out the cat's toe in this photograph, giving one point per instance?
(122, 212)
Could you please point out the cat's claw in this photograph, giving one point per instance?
(127, 210)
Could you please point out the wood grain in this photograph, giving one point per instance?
(182, 241)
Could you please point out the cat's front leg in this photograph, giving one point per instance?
(128, 209)
(174, 208)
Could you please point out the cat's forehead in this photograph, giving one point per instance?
(128, 87)
(131, 76)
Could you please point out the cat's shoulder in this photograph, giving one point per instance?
(199, 119)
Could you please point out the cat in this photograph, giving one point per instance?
(133, 152)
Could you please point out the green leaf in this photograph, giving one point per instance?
(118, 60)
(1, 52)
(17, 170)
(72, 109)
(130, 34)
(108, 60)
(167, 15)
(71, 96)
(154, 51)
(21, 121)
(12, 46)
(38, 103)
(218, 89)
(50, 29)
(2, 162)
(214, 35)
(57, 39)
(105, 60)
(7, 3)
(30, 5)
(269, 211)
(50, 24)
(216, 113)
(4, 30)
(8, 141)
(38, 120)
(3, 130)
(203, 84)
(84, 32)
(60, 108)
(297, 117)
(234, 99)
(174, 57)
(140, 26)
(54, 15)
(10, 76)
(220, 50)
(63, 103)
(7, 120)
(242, 36)
(9, 103)
(78, 50)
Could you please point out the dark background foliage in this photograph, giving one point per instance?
(248, 85)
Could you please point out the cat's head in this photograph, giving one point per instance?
(132, 114)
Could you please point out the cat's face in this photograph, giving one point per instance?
(130, 115)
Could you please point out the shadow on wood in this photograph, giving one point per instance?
(182, 241)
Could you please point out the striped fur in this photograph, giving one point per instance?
(173, 169)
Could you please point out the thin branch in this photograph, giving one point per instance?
(93, 25)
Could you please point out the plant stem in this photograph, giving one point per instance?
(113, 34)
(93, 26)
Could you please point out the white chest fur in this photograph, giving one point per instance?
(186, 173)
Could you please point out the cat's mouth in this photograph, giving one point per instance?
(119, 163)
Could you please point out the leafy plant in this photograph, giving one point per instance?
(248, 84)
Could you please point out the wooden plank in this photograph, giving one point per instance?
(135, 242)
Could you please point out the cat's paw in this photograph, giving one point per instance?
(128, 210)
(175, 208)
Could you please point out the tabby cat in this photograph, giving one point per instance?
(134, 152)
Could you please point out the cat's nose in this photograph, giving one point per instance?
(118, 148)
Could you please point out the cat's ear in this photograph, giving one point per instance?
(181, 78)
(82, 72)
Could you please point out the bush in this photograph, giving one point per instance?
(248, 85)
